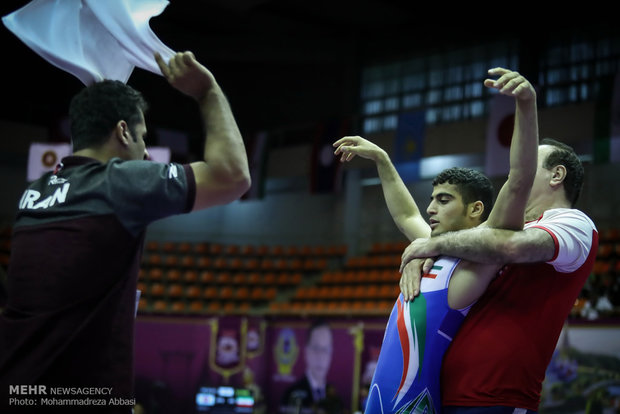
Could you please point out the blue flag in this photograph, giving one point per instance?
(409, 140)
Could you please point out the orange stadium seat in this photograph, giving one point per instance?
(276, 250)
(192, 292)
(224, 278)
(269, 278)
(196, 306)
(247, 250)
(220, 263)
(232, 250)
(201, 248)
(173, 275)
(216, 249)
(188, 260)
(235, 263)
(207, 277)
(177, 306)
(190, 276)
(143, 305)
(184, 247)
(210, 292)
(156, 290)
(160, 306)
(175, 291)
(253, 278)
(152, 246)
(169, 247)
(154, 259)
(204, 262)
(214, 306)
(171, 260)
(226, 292)
(242, 293)
(262, 250)
(239, 278)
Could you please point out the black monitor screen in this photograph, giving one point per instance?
(223, 400)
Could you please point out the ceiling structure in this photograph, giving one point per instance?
(284, 64)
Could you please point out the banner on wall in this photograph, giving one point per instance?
(325, 172)
(44, 157)
(614, 144)
(409, 138)
(315, 359)
(258, 157)
(499, 135)
(176, 355)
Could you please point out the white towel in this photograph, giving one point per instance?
(92, 39)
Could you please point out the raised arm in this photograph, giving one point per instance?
(224, 175)
(509, 209)
(400, 202)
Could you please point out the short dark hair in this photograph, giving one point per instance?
(471, 184)
(565, 155)
(316, 324)
(96, 109)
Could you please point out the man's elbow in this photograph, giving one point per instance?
(238, 185)
(244, 184)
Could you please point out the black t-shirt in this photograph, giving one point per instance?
(75, 255)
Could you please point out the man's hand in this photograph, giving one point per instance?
(186, 74)
(418, 249)
(351, 146)
(511, 83)
(412, 277)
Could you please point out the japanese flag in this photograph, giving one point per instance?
(44, 157)
(499, 136)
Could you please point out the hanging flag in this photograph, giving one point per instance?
(614, 144)
(603, 121)
(44, 157)
(91, 39)
(259, 154)
(325, 168)
(409, 145)
(409, 138)
(499, 135)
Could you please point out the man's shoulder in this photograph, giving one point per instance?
(565, 214)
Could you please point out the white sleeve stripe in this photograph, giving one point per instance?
(573, 232)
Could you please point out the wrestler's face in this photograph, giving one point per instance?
(447, 211)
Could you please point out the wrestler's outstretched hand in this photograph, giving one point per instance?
(511, 83)
(349, 147)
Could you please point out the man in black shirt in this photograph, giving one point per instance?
(79, 231)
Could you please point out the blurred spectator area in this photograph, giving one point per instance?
(202, 278)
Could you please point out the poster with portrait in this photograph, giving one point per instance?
(313, 361)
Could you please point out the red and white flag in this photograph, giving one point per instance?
(499, 136)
